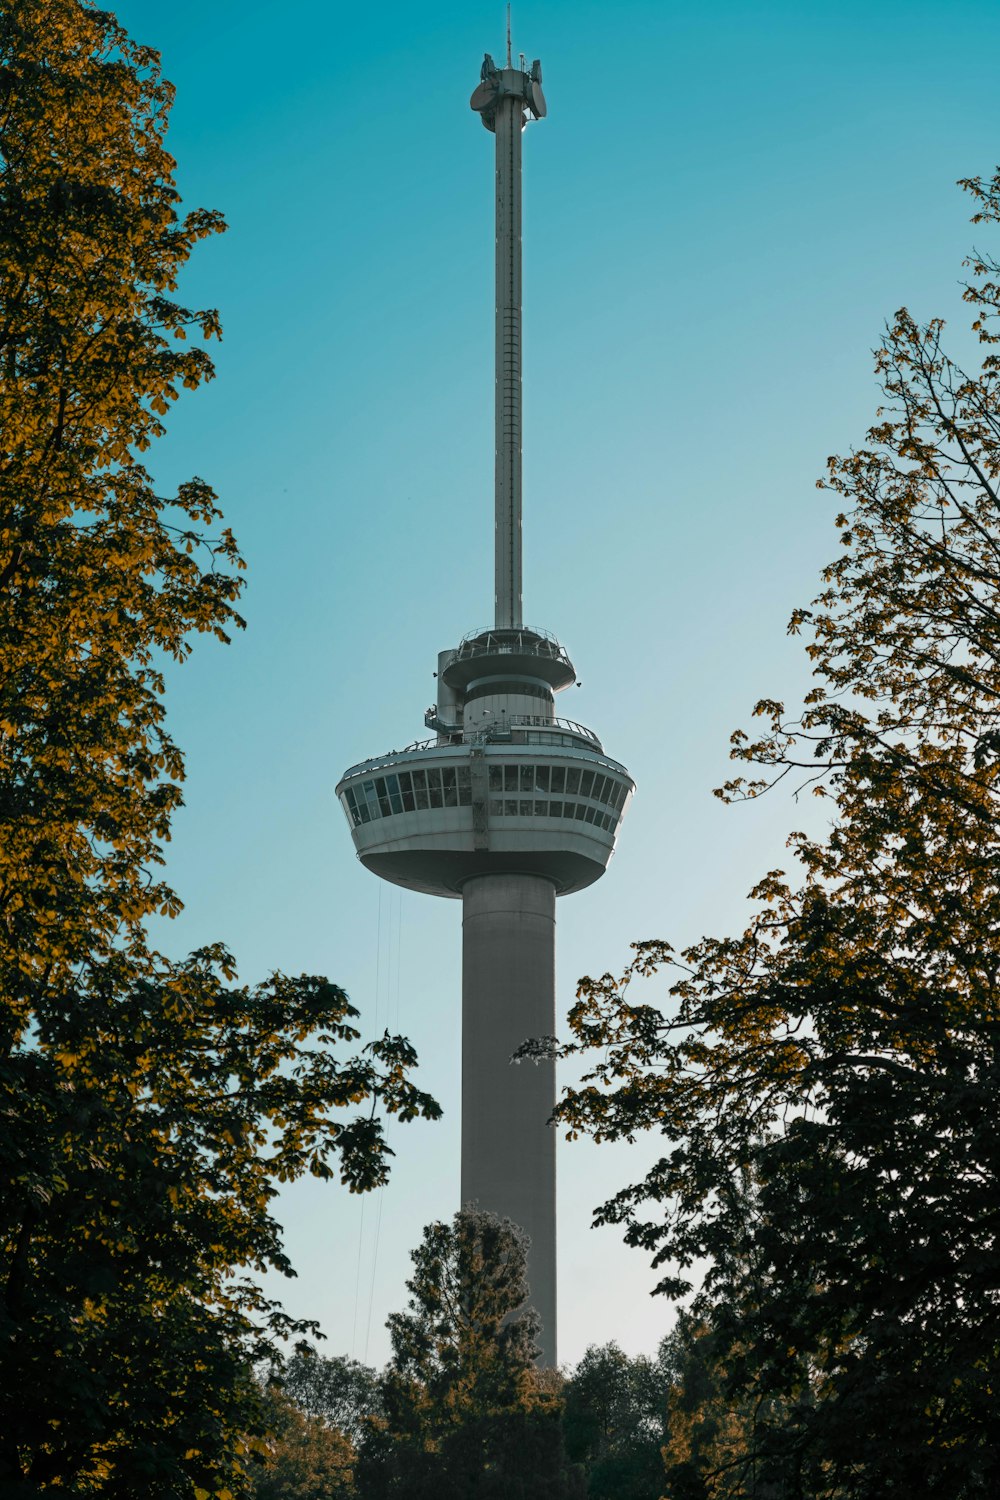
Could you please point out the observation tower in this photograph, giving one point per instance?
(509, 806)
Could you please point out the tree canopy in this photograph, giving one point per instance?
(466, 1415)
(827, 1083)
(149, 1108)
(616, 1420)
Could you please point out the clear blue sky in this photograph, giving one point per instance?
(724, 204)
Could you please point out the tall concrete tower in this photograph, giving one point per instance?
(508, 806)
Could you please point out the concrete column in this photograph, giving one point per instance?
(508, 995)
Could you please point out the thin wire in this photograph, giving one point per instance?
(378, 954)
(371, 1292)
(357, 1282)
(399, 945)
(393, 892)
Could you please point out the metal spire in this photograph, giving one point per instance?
(503, 99)
(509, 119)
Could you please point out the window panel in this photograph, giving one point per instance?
(590, 814)
(496, 778)
(510, 807)
(527, 778)
(558, 779)
(434, 787)
(555, 810)
(541, 809)
(581, 811)
(542, 778)
(527, 808)
(496, 807)
(573, 781)
(586, 783)
(450, 786)
(601, 785)
(510, 779)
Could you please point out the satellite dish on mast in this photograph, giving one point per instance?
(483, 96)
(536, 98)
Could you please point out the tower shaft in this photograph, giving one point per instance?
(508, 995)
(509, 120)
(510, 806)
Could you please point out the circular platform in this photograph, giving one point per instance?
(432, 817)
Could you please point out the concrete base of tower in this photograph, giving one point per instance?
(508, 995)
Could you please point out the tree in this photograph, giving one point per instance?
(615, 1421)
(339, 1391)
(148, 1109)
(828, 1082)
(466, 1413)
(307, 1458)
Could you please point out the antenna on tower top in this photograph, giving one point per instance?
(508, 33)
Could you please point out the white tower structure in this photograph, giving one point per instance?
(508, 806)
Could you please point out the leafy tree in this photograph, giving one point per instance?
(341, 1392)
(148, 1110)
(466, 1413)
(307, 1459)
(708, 1452)
(828, 1082)
(615, 1421)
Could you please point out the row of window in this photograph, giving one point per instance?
(511, 807)
(559, 780)
(451, 786)
(409, 791)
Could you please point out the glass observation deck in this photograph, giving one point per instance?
(515, 790)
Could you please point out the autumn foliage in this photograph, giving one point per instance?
(148, 1109)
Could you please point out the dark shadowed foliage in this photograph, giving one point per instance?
(467, 1415)
(827, 1084)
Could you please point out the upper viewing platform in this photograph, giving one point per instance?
(514, 652)
(521, 85)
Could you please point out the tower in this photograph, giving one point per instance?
(509, 806)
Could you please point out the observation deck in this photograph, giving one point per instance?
(507, 654)
(531, 799)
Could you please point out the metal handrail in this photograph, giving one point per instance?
(494, 642)
(487, 736)
(536, 721)
(391, 757)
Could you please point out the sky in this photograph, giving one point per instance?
(724, 205)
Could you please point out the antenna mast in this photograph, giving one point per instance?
(509, 119)
(504, 99)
